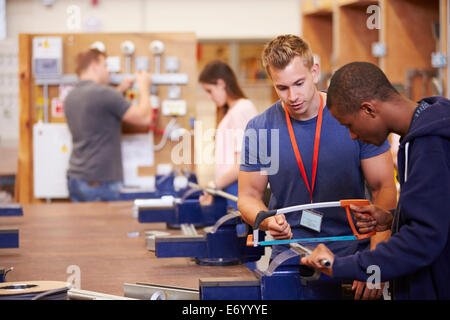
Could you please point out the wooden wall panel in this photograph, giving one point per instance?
(24, 178)
(317, 30)
(444, 27)
(408, 35)
(406, 29)
(353, 39)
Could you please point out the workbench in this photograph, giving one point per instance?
(104, 241)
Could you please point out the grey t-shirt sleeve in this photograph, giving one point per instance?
(115, 102)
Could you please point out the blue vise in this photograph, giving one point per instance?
(9, 210)
(165, 185)
(9, 238)
(222, 244)
(284, 279)
(176, 211)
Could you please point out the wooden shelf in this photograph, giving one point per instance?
(408, 35)
(356, 3)
(339, 33)
(317, 7)
(317, 29)
(352, 38)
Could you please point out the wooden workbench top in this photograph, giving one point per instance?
(104, 241)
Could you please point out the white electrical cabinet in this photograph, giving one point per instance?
(52, 146)
(137, 151)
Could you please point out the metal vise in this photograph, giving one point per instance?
(9, 238)
(9, 210)
(176, 211)
(282, 280)
(222, 244)
(165, 185)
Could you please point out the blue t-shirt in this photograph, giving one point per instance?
(267, 147)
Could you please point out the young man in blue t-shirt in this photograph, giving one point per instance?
(307, 156)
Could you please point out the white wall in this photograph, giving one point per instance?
(209, 19)
(226, 19)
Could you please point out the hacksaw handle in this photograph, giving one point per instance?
(261, 216)
(356, 202)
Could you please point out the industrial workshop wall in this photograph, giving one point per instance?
(47, 73)
(407, 39)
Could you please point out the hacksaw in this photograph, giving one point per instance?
(252, 240)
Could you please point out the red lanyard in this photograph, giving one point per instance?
(316, 147)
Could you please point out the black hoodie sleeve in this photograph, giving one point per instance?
(425, 218)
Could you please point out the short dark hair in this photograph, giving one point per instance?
(84, 59)
(355, 83)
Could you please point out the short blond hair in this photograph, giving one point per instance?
(282, 49)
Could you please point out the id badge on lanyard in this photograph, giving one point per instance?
(310, 218)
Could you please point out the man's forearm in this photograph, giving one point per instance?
(144, 98)
(249, 208)
(385, 198)
(144, 103)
